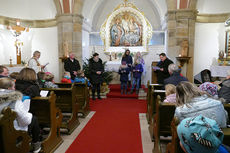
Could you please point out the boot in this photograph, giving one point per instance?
(93, 96)
(125, 90)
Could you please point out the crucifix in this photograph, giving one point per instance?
(17, 30)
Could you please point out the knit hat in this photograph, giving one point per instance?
(210, 88)
(200, 134)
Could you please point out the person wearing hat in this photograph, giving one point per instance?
(200, 134)
(96, 70)
(209, 88)
(224, 91)
(191, 101)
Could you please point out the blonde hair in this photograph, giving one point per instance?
(27, 74)
(79, 73)
(14, 75)
(6, 83)
(186, 91)
(170, 89)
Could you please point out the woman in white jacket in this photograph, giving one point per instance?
(20, 104)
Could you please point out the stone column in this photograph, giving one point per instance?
(70, 33)
(181, 25)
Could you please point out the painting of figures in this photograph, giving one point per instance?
(126, 30)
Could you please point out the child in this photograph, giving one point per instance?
(49, 83)
(170, 93)
(210, 88)
(24, 121)
(41, 79)
(201, 135)
(66, 78)
(124, 74)
(137, 70)
(81, 78)
(14, 75)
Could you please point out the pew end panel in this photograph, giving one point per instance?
(12, 141)
(162, 122)
(44, 108)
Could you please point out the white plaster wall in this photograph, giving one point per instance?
(28, 9)
(209, 40)
(46, 41)
(213, 6)
(85, 45)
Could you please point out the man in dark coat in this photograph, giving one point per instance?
(96, 70)
(175, 77)
(4, 72)
(163, 73)
(72, 65)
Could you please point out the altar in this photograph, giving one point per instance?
(16, 68)
(219, 71)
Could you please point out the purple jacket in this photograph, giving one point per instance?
(137, 70)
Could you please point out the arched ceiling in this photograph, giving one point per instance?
(96, 11)
(28, 9)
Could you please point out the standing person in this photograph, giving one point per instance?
(142, 62)
(72, 65)
(191, 101)
(124, 72)
(4, 72)
(137, 71)
(35, 64)
(129, 61)
(162, 72)
(96, 69)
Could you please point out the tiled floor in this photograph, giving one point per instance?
(146, 140)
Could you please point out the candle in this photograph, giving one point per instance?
(179, 55)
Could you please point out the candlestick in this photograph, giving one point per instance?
(11, 65)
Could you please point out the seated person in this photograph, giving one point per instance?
(209, 88)
(41, 79)
(4, 72)
(49, 81)
(14, 75)
(175, 76)
(200, 134)
(224, 91)
(66, 78)
(80, 78)
(26, 82)
(191, 101)
(24, 121)
(170, 92)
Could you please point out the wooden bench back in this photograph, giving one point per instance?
(162, 122)
(44, 108)
(11, 140)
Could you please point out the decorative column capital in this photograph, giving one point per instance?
(181, 14)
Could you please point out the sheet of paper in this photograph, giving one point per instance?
(44, 93)
(156, 68)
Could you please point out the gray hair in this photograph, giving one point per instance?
(36, 52)
(173, 68)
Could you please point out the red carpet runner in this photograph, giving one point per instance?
(114, 128)
(115, 92)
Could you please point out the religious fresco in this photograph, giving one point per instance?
(126, 30)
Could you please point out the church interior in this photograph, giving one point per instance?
(194, 34)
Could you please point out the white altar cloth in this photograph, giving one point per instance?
(219, 71)
(112, 66)
(15, 69)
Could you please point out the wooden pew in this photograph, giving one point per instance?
(66, 101)
(162, 122)
(174, 145)
(151, 87)
(152, 108)
(48, 115)
(82, 93)
(82, 96)
(11, 140)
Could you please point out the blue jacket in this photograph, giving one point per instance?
(175, 79)
(205, 106)
(124, 73)
(137, 71)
